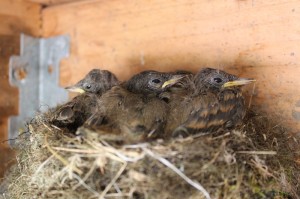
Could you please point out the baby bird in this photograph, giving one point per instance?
(212, 100)
(74, 113)
(132, 111)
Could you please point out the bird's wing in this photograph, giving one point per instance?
(110, 110)
(204, 112)
(127, 114)
(180, 108)
(210, 112)
(142, 118)
(155, 115)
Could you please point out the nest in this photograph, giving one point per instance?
(256, 160)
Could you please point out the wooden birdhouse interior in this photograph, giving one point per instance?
(249, 38)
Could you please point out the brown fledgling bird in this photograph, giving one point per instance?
(177, 97)
(74, 113)
(132, 112)
(205, 103)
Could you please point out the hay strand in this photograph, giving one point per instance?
(256, 160)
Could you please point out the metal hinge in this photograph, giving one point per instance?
(36, 73)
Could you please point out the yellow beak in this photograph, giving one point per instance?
(238, 82)
(172, 81)
(75, 89)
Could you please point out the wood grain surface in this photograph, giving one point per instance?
(54, 2)
(250, 38)
(16, 17)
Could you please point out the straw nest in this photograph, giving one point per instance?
(256, 160)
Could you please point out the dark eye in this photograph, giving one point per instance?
(217, 80)
(156, 81)
(88, 86)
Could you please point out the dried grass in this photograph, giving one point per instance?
(256, 160)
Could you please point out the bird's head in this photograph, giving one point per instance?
(213, 79)
(96, 81)
(151, 82)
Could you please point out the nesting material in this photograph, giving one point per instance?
(256, 160)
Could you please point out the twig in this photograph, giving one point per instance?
(216, 155)
(136, 146)
(55, 127)
(46, 126)
(87, 175)
(65, 162)
(108, 148)
(258, 152)
(177, 171)
(118, 195)
(117, 188)
(221, 136)
(263, 168)
(42, 165)
(85, 185)
(113, 181)
(77, 150)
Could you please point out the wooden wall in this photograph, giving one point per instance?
(16, 16)
(251, 38)
(53, 2)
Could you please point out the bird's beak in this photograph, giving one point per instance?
(75, 89)
(173, 81)
(238, 82)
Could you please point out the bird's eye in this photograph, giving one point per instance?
(156, 81)
(217, 80)
(88, 86)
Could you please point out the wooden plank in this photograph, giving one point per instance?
(7, 155)
(20, 17)
(16, 17)
(9, 45)
(258, 39)
(53, 2)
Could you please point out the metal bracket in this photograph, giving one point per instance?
(36, 73)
